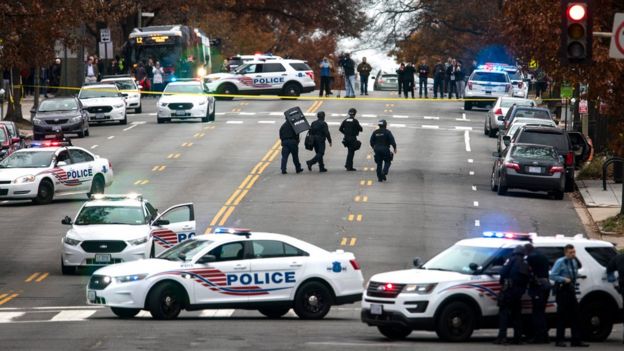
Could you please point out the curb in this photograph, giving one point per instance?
(592, 229)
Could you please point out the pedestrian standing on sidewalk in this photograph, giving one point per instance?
(55, 76)
(319, 131)
(44, 80)
(149, 69)
(364, 69)
(438, 79)
(617, 265)
(408, 80)
(400, 77)
(381, 140)
(423, 76)
(348, 69)
(351, 128)
(91, 71)
(158, 76)
(325, 68)
(447, 75)
(539, 290)
(332, 72)
(565, 273)
(290, 145)
(460, 76)
(450, 72)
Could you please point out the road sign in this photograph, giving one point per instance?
(106, 50)
(533, 64)
(583, 106)
(566, 91)
(617, 39)
(105, 35)
(147, 14)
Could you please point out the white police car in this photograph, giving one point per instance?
(455, 292)
(281, 77)
(120, 228)
(129, 88)
(184, 100)
(104, 103)
(270, 273)
(485, 85)
(50, 169)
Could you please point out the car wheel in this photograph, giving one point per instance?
(67, 270)
(97, 186)
(81, 134)
(558, 194)
(394, 332)
(502, 190)
(206, 118)
(226, 89)
(274, 312)
(86, 133)
(160, 120)
(569, 184)
(45, 193)
(124, 121)
(467, 106)
(492, 133)
(164, 301)
(456, 322)
(493, 185)
(485, 127)
(291, 89)
(312, 301)
(125, 312)
(213, 113)
(596, 321)
(138, 109)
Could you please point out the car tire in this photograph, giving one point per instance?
(291, 89)
(502, 190)
(125, 313)
(485, 127)
(226, 89)
(558, 194)
(81, 134)
(86, 133)
(213, 114)
(138, 109)
(493, 185)
(97, 186)
(395, 332)
(313, 300)
(67, 270)
(165, 301)
(456, 322)
(274, 312)
(596, 320)
(160, 120)
(569, 184)
(124, 121)
(206, 118)
(467, 105)
(45, 192)
(492, 133)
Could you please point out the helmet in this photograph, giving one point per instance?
(352, 111)
(320, 115)
(382, 123)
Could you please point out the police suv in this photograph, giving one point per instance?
(120, 228)
(281, 77)
(231, 268)
(104, 103)
(49, 169)
(485, 85)
(456, 292)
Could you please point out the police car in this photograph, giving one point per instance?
(455, 292)
(50, 169)
(485, 85)
(280, 77)
(184, 100)
(104, 103)
(120, 228)
(231, 268)
(129, 89)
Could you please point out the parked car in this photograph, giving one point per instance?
(61, 114)
(386, 81)
(519, 123)
(18, 140)
(496, 115)
(517, 111)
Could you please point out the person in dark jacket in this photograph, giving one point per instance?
(539, 290)
(408, 80)
(351, 128)
(319, 132)
(400, 76)
(380, 141)
(450, 73)
(617, 265)
(348, 69)
(423, 75)
(438, 79)
(290, 145)
(514, 278)
(460, 76)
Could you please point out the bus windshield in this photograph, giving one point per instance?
(168, 54)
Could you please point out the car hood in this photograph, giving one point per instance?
(13, 173)
(417, 276)
(57, 114)
(216, 76)
(102, 101)
(108, 232)
(181, 98)
(149, 266)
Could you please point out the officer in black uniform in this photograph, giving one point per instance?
(351, 128)
(319, 132)
(290, 145)
(617, 265)
(539, 290)
(380, 141)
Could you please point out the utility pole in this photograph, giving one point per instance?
(139, 15)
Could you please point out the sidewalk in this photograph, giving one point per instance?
(602, 204)
(27, 104)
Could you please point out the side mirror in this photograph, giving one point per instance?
(66, 221)
(15, 140)
(33, 110)
(507, 140)
(206, 259)
(417, 262)
(61, 164)
(160, 222)
(474, 267)
(373, 77)
(124, 94)
(496, 154)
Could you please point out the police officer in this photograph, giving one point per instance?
(539, 290)
(617, 265)
(351, 128)
(290, 145)
(514, 278)
(564, 273)
(319, 132)
(380, 141)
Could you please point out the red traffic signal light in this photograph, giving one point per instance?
(577, 11)
(576, 32)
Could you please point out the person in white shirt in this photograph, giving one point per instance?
(91, 71)
(158, 73)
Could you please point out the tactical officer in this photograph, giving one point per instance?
(351, 128)
(514, 278)
(380, 141)
(617, 265)
(290, 145)
(319, 132)
(539, 290)
(564, 273)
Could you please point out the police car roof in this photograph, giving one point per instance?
(113, 203)
(261, 236)
(275, 61)
(185, 82)
(100, 86)
(557, 240)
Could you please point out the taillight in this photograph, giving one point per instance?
(469, 85)
(310, 74)
(512, 165)
(498, 111)
(569, 161)
(355, 264)
(110, 165)
(555, 169)
(381, 81)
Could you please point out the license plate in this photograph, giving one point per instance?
(180, 113)
(102, 258)
(91, 296)
(376, 309)
(535, 169)
(100, 116)
(488, 92)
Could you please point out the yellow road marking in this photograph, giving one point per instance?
(242, 185)
(137, 182)
(176, 155)
(343, 242)
(268, 154)
(196, 135)
(170, 156)
(369, 182)
(234, 195)
(227, 215)
(144, 182)
(362, 182)
(255, 169)
(216, 217)
(187, 144)
(364, 198)
(2, 296)
(42, 277)
(359, 218)
(277, 144)
(275, 153)
(263, 168)
(368, 157)
(8, 298)
(357, 198)
(161, 168)
(353, 241)
(240, 198)
(253, 181)
(29, 279)
(350, 217)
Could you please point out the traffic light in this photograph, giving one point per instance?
(576, 32)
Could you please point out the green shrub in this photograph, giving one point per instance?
(592, 170)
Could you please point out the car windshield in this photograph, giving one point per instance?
(534, 152)
(531, 113)
(93, 93)
(122, 84)
(3, 135)
(186, 250)
(556, 140)
(183, 88)
(458, 258)
(515, 75)
(28, 159)
(490, 77)
(58, 105)
(131, 215)
(509, 103)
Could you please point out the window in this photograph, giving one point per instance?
(556, 140)
(490, 77)
(151, 211)
(28, 159)
(531, 113)
(459, 258)
(274, 248)
(79, 156)
(534, 152)
(248, 69)
(179, 214)
(63, 156)
(602, 255)
(553, 254)
(58, 105)
(273, 67)
(228, 252)
(110, 215)
(300, 67)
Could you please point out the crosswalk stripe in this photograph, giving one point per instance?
(6, 317)
(78, 315)
(217, 313)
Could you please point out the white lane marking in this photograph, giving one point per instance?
(431, 117)
(365, 124)
(477, 223)
(46, 308)
(462, 119)
(276, 113)
(397, 125)
(471, 172)
(333, 123)
(134, 124)
(470, 160)
(217, 313)
(144, 314)
(475, 203)
(463, 115)
(399, 116)
(338, 114)
(94, 146)
(427, 126)
(463, 128)
(310, 114)
(219, 113)
(266, 122)
(474, 188)
(111, 137)
(234, 122)
(6, 317)
(467, 141)
(73, 315)
(246, 113)
(369, 116)
(152, 114)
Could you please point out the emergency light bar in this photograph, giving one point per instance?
(130, 196)
(509, 235)
(49, 143)
(234, 231)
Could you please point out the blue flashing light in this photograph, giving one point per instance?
(173, 79)
(507, 235)
(234, 231)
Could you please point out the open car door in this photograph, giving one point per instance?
(171, 227)
(581, 147)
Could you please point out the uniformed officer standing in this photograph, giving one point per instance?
(564, 273)
(290, 145)
(539, 290)
(319, 132)
(514, 278)
(351, 128)
(380, 141)
(617, 265)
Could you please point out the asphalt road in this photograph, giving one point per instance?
(437, 193)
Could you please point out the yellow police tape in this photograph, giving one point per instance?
(273, 97)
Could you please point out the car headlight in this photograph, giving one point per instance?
(203, 102)
(137, 241)
(201, 71)
(130, 278)
(75, 119)
(163, 104)
(136, 95)
(69, 241)
(24, 179)
(212, 79)
(421, 289)
(38, 122)
(119, 105)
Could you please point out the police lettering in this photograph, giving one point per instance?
(268, 80)
(81, 173)
(184, 236)
(261, 278)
